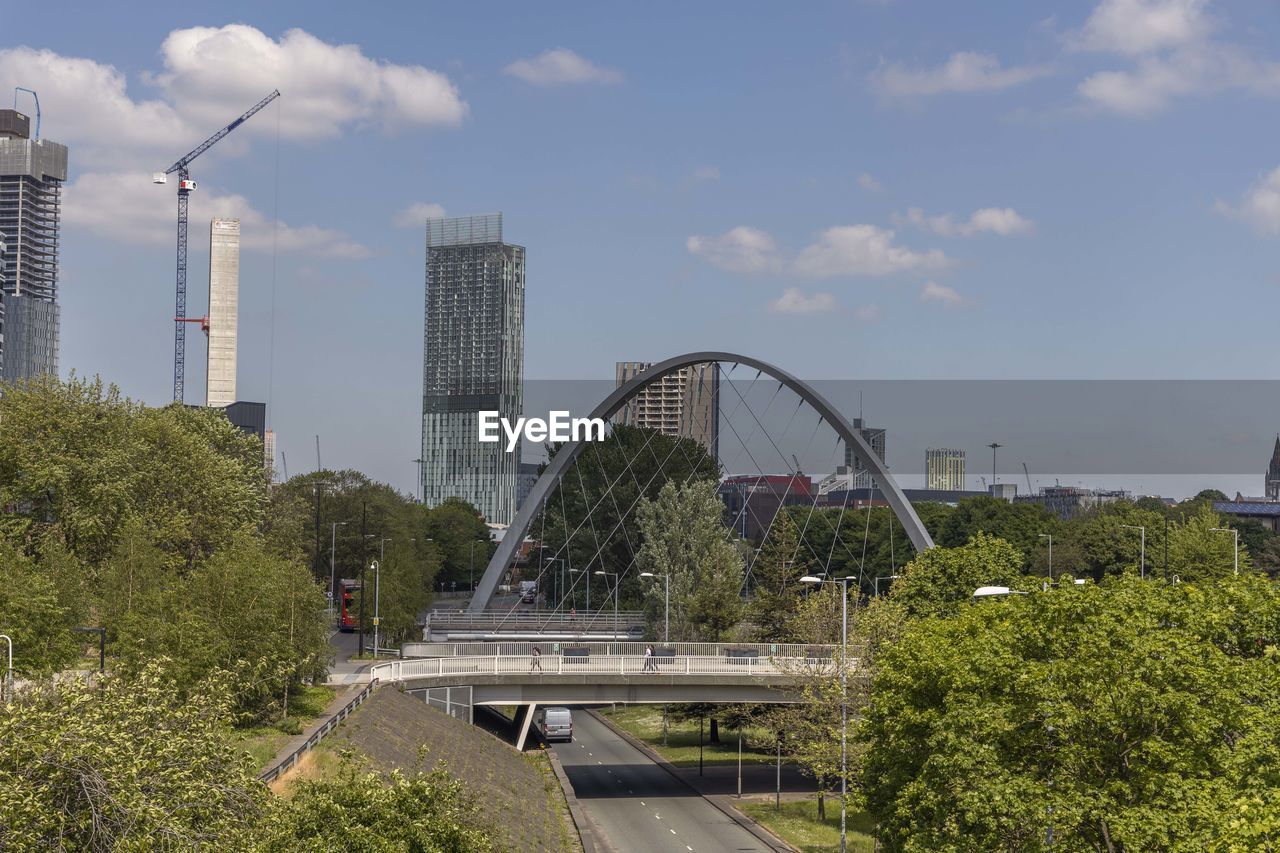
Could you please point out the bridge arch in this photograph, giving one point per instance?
(550, 478)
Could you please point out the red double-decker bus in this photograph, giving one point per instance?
(348, 605)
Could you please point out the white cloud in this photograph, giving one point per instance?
(1135, 27)
(740, 249)
(867, 313)
(1004, 221)
(706, 173)
(561, 65)
(1260, 206)
(964, 72)
(934, 292)
(1197, 69)
(126, 206)
(862, 250)
(211, 75)
(869, 183)
(417, 214)
(794, 301)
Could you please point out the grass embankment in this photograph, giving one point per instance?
(645, 723)
(798, 824)
(265, 742)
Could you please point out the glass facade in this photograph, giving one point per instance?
(473, 361)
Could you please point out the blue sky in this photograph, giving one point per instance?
(896, 189)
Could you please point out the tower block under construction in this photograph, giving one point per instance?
(224, 303)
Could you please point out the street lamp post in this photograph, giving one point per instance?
(883, 578)
(377, 577)
(616, 580)
(1235, 539)
(844, 695)
(1142, 553)
(1049, 536)
(8, 673)
(666, 595)
(333, 542)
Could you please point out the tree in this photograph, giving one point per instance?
(940, 580)
(1199, 548)
(460, 536)
(123, 765)
(1019, 524)
(683, 536)
(589, 521)
(33, 615)
(1130, 715)
(776, 572)
(359, 810)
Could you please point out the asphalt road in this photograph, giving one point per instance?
(636, 804)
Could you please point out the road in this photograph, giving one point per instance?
(636, 804)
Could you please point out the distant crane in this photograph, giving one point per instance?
(1028, 473)
(185, 187)
(32, 93)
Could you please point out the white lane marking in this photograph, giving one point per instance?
(673, 832)
(642, 802)
(687, 847)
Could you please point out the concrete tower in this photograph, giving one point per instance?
(224, 299)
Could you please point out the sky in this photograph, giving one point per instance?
(860, 190)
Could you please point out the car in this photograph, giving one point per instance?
(555, 724)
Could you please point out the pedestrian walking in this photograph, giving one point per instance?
(650, 665)
(536, 660)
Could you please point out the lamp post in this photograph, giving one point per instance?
(333, 542)
(884, 578)
(7, 684)
(844, 704)
(1049, 536)
(1142, 553)
(666, 595)
(1235, 539)
(377, 577)
(616, 581)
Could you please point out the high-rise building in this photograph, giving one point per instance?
(1273, 474)
(860, 473)
(269, 454)
(944, 469)
(684, 403)
(224, 297)
(31, 176)
(473, 361)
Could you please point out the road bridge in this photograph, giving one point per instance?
(574, 676)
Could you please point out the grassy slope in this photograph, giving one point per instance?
(798, 824)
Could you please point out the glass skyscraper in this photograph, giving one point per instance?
(473, 361)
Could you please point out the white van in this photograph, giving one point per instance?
(555, 724)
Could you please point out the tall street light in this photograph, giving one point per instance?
(884, 578)
(1235, 538)
(666, 595)
(1049, 536)
(1142, 553)
(616, 581)
(844, 696)
(333, 542)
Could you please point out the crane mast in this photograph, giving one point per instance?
(185, 187)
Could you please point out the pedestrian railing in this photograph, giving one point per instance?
(574, 664)
(516, 648)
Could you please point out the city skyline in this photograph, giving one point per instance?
(964, 195)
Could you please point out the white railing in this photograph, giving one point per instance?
(517, 648)
(684, 665)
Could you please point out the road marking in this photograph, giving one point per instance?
(642, 802)
(673, 832)
(687, 847)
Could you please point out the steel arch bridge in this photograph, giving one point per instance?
(567, 454)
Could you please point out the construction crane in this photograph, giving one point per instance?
(185, 187)
(1030, 488)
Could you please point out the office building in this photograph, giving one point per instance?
(224, 296)
(944, 469)
(752, 500)
(856, 474)
(683, 403)
(473, 361)
(1069, 501)
(269, 454)
(31, 175)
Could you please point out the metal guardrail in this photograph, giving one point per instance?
(618, 647)
(465, 620)
(270, 775)
(566, 664)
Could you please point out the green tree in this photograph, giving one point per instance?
(1127, 716)
(1201, 547)
(33, 615)
(123, 765)
(683, 536)
(940, 580)
(589, 522)
(776, 572)
(1019, 524)
(359, 810)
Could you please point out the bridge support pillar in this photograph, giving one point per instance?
(524, 726)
